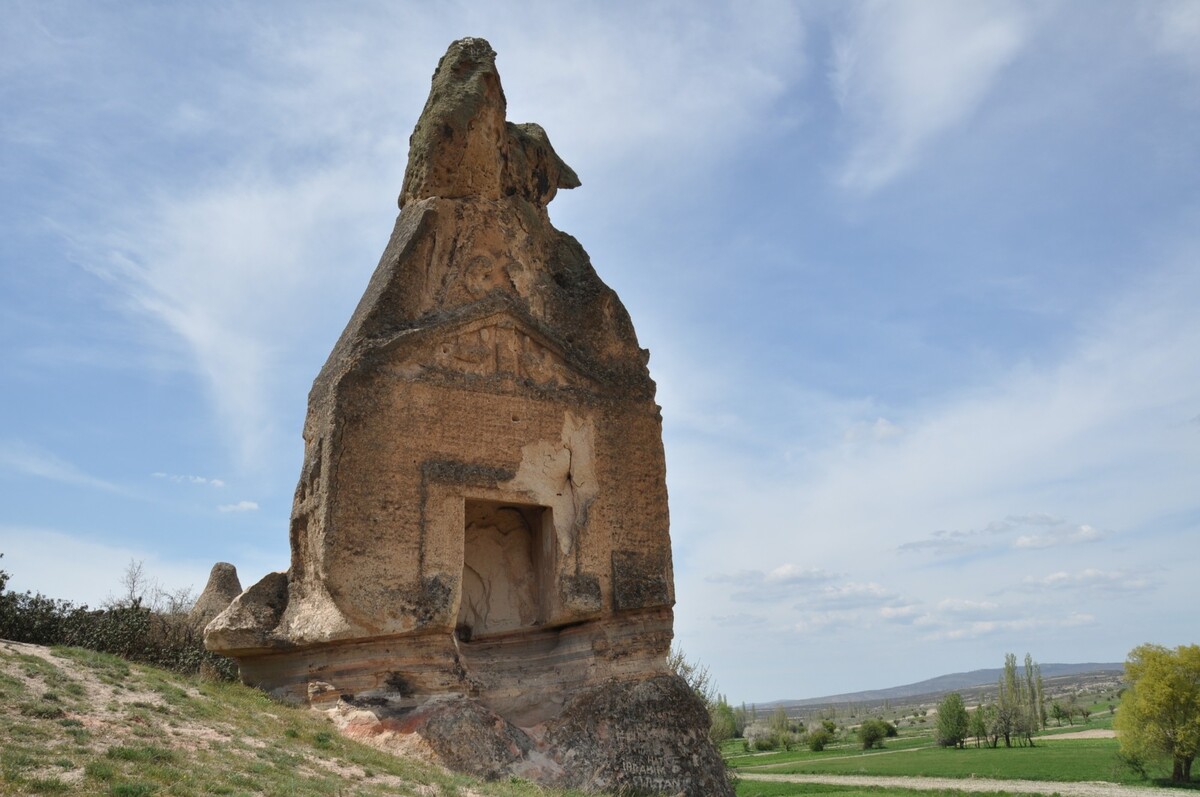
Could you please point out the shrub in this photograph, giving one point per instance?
(872, 733)
(818, 738)
(767, 742)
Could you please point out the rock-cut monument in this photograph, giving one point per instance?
(481, 562)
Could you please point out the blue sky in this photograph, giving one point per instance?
(919, 280)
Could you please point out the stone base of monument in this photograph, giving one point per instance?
(641, 736)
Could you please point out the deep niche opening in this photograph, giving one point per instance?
(508, 560)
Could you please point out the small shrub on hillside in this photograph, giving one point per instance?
(818, 738)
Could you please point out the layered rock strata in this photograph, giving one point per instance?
(480, 546)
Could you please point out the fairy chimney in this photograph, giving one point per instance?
(479, 538)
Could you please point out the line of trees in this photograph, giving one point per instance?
(1158, 719)
(1018, 713)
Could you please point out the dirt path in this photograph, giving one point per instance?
(758, 767)
(1091, 733)
(1084, 789)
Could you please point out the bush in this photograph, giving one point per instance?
(762, 743)
(872, 733)
(818, 738)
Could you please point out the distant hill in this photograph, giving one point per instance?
(949, 683)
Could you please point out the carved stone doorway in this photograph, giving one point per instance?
(504, 559)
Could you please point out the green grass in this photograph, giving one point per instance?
(749, 788)
(1066, 760)
(735, 756)
(58, 743)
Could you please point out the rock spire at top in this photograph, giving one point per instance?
(462, 145)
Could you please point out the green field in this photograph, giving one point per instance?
(755, 789)
(1066, 760)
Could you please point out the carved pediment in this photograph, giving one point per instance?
(497, 346)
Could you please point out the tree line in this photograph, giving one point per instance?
(1157, 719)
(1018, 712)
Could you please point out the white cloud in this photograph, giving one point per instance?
(964, 606)
(1062, 536)
(1090, 447)
(240, 506)
(34, 461)
(900, 614)
(879, 430)
(1024, 625)
(1092, 579)
(851, 595)
(184, 479)
(1175, 29)
(241, 262)
(755, 585)
(988, 538)
(233, 272)
(907, 73)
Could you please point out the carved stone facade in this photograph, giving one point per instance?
(480, 532)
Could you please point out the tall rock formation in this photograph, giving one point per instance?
(222, 587)
(480, 549)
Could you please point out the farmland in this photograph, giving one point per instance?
(1080, 757)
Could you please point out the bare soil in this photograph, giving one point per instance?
(1091, 733)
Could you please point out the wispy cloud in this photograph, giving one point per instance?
(757, 585)
(1091, 580)
(240, 506)
(183, 479)
(985, 628)
(34, 461)
(907, 73)
(878, 430)
(1174, 27)
(741, 621)
(965, 607)
(245, 261)
(850, 595)
(968, 541)
(1061, 536)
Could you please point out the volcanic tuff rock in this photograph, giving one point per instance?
(480, 547)
(222, 587)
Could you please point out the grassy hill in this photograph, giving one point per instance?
(79, 722)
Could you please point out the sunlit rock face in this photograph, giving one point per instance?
(481, 563)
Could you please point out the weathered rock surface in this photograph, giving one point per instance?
(479, 537)
(222, 587)
(638, 737)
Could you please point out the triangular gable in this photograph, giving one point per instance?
(496, 345)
